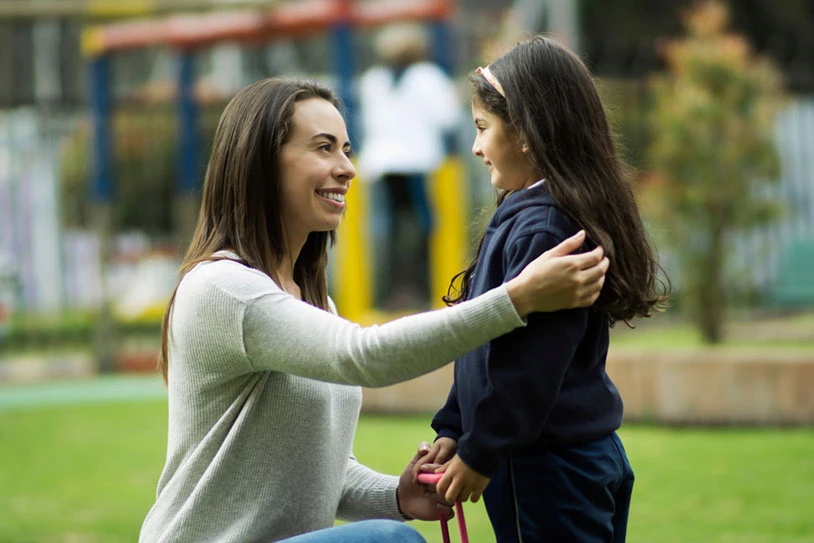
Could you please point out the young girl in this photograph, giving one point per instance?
(533, 413)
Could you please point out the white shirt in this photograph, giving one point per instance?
(403, 123)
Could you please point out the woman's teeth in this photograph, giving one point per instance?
(335, 196)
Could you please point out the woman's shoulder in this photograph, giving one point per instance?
(228, 276)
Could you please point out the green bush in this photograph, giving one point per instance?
(711, 149)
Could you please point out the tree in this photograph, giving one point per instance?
(711, 147)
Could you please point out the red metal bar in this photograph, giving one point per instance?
(293, 19)
(379, 13)
(302, 18)
(188, 31)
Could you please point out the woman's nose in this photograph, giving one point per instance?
(345, 169)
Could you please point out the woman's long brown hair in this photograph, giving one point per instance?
(240, 205)
(553, 106)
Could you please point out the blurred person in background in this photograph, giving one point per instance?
(531, 419)
(409, 116)
(262, 375)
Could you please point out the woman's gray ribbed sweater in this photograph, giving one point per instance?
(264, 400)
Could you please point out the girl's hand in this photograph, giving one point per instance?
(461, 483)
(416, 500)
(558, 279)
(441, 451)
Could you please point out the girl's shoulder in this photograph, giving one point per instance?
(546, 219)
(533, 210)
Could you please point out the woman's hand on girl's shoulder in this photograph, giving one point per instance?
(558, 279)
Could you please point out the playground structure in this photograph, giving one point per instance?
(339, 19)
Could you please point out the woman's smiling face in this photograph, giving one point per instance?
(315, 169)
(501, 150)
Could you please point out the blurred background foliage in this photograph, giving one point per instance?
(146, 155)
(712, 148)
(694, 88)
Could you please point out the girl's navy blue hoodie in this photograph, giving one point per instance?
(539, 386)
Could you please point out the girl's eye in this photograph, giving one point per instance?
(325, 147)
(348, 153)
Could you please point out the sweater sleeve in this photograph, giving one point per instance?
(368, 494)
(524, 370)
(281, 333)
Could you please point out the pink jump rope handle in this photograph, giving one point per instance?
(431, 479)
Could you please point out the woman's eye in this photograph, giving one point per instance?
(325, 147)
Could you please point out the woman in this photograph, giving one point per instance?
(258, 366)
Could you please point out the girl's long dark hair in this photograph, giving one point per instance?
(241, 201)
(554, 107)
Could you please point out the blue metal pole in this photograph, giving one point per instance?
(345, 69)
(189, 140)
(102, 185)
(102, 171)
(442, 54)
(442, 42)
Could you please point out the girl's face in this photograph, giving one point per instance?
(316, 169)
(502, 151)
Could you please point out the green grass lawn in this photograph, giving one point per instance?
(87, 474)
(767, 333)
(692, 485)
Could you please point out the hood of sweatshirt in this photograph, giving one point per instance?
(534, 196)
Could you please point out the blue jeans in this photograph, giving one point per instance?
(366, 531)
(579, 493)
